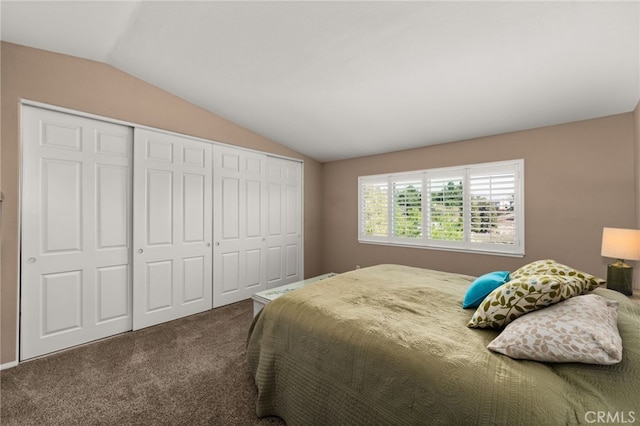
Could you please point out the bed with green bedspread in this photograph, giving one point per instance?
(390, 345)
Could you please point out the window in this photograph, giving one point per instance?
(476, 208)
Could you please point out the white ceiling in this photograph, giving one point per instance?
(335, 80)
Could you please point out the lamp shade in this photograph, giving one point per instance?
(621, 243)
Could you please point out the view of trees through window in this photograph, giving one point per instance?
(375, 210)
(491, 210)
(407, 210)
(477, 207)
(446, 210)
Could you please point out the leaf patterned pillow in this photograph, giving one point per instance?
(551, 267)
(582, 329)
(522, 295)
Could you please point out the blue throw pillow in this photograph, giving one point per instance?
(482, 286)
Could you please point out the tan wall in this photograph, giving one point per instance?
(579, 177)
(103, 90)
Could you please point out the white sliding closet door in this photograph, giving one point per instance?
(76, 225)
(284, 223)
(239, 224)
(172, 227)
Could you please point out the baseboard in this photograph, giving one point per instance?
(7, 365)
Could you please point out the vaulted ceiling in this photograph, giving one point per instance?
(335, 80)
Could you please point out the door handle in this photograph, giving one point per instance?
(32, 260)
(208, 244)
(140, 250)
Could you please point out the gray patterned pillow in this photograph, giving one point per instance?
(522, 295)
(551, 267)
(581, 329)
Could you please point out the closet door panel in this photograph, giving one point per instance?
(62, 302)
(193, 281)
(292, 261)
(159, 286)
(114, 292)
(62, 205)
(292, 210)
(293, 226)
(159, 207)
(76, 202)
(230, 209)
(254, 273)
(193, 227)
(254, 190)
(113, 207)
(275, 208)
(229, 272)
(284, 235)
(172, 227)
(274, 265)
(239, 224)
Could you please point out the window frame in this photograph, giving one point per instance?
(465, 172)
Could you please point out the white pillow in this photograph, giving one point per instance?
(580, 329)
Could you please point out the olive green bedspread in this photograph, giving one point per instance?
(389, 345)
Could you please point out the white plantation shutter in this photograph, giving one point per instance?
(475, 208)
(492, 207)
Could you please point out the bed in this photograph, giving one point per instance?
(390, 345)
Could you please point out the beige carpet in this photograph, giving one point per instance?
(191, 371)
